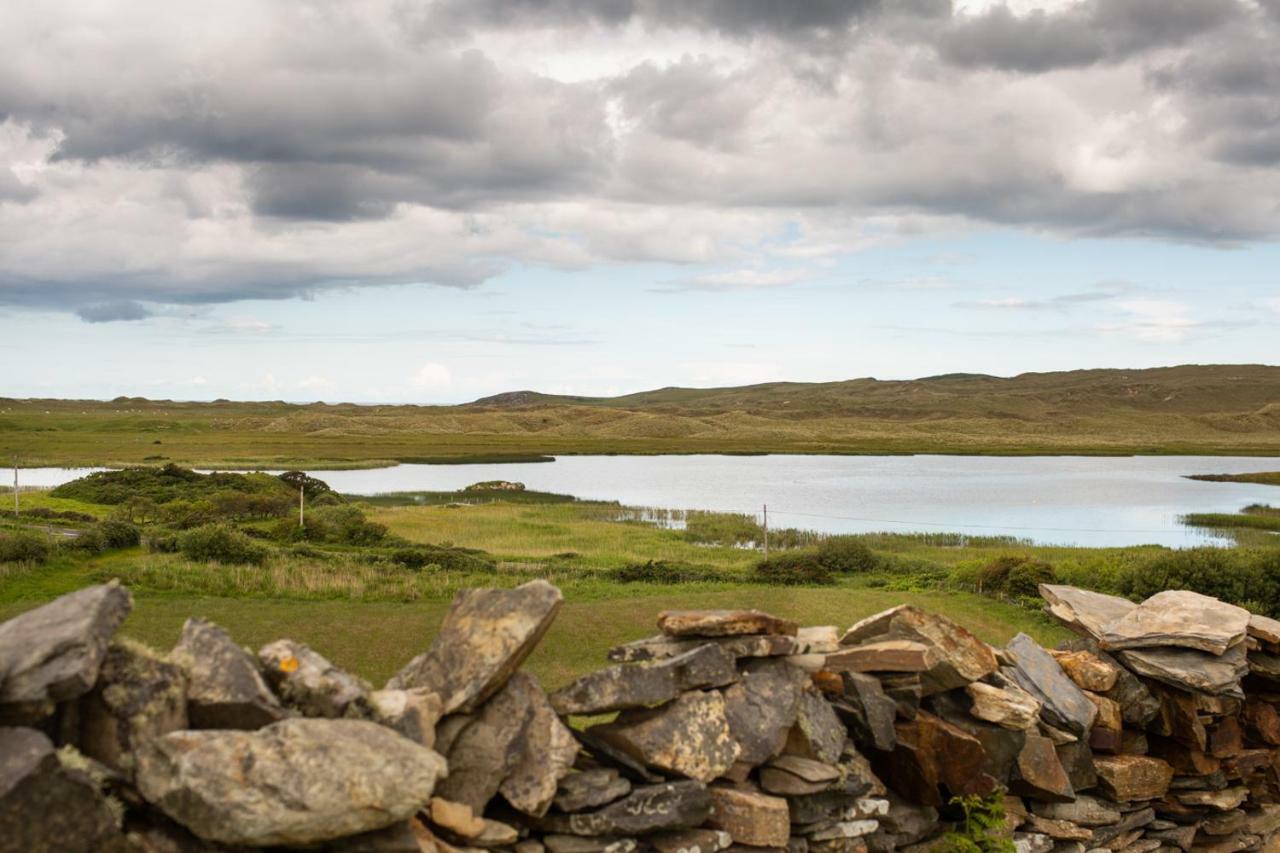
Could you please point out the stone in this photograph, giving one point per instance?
(908, 822)
(867, 711)
(932, 752)
(412, 713)
(722, 623)
(457, 818)
(589, 789)
(1262, 721)
(650, 808)
(962, 656)
(139, 696)
(484, 638)
(791, 775)
(1247, 762)
(884, 656)
(807, 641)
(1082, 811)
(1084, 611)
(298, 781)
(647, 684)
(308, 683)
(1190, 669)
(1038, 774)
(1264, 628)
(846, 829)
(1064, 705)
(1011, 709)
(1125, 778)
(1117, 836)
(1264, 665)
(46, 806)
(1224, 800)
(1077, 761)
(750, 817)
(397, 838)
(1178, 618)
(1088, 670)
(1264, 821)
(1058, 829)
(817, 732)
(224, 688)
(1181, 837)
(488, 747)
(581, 844)
(761, 708)
(1032, 842)
(1107, 725)
(494, 834)
(1224, 823)
(546, 755)
(690, 736)
(1224, 739)
(1134, 743)
(52, 653)
(856, 775)
(690, 841)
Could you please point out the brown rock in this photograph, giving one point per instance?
(1190, 669)
(1082, 610)
(930, 752)
(690, 841)
(1077, 760)
(750, 817)
(807, 641)
(690, 736)
(1263, 721)
(1107, 726)
(962, 656)
(643, 685)
(485, 637)
(1039, 774)
(1183, 760)
(722, 623)
(1247, 762)
(1082, 811)
(1125, 778)
(457, 818)
(1012, 708)
(1226, 738)
(791, 775)
(1264, 628)
(1087, 670)
(1060, 829)
(884, 656)
(1178, 618)
(1224, 800)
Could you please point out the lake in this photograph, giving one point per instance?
(1066, 500)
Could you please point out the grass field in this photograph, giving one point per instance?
(1217, 409)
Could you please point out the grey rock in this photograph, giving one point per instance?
(1178, 618)
(722, 623)
(647, 684)
(1011, 707)
(1189, 669)
(690, 841)
(791, 775)
(490, 745)
(1082, 811)
(397, 838)
(485, 637)
(46, 806)
(547, 753)
(1077, 760)
(761, 708)
(652, 808)
(412, 713)
(867, 711)
(1062, 703)
(589, 789)
(1084, 611)
(298, 781)
(139, 696)
(310, 684)
(225, 690)
(690, 736)
(823, 807)
(807, 641)
(1264, 628)
(585, 844)
(1131, 821)
(818, 732)
(52, 653)
(1032, 842)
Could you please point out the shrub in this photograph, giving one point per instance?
(338, 525)
(90, 541)
(163, 543)
(793, 568)
(664, 571)
(444, 558)
(846, 555)
(1014, 576)
(22, 546)
(117, 533)
(721, 528)
(221, 543)
(1233, 575)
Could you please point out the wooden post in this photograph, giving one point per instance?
(15, 487)
(766, 531)
(302, 506)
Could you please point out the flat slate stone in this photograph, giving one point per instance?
(584, 844)
(1124, 778)
(589, 789)
(1264, 628)
(651, 808)
(307, 682)
(1088, 670)
(722, 623)
(225, 690)
(690, 841)
(884, 656)
(1084, 611)
(690, 736)
(52, 653)
(1062, 703)
(807, 641)
(761, 708)
(45, 806)
(490, 744)
(1010, 708)
(1190, 669)
(299, 781)
(867, 710)
(547, 753)
(817, 733)
(484, 638)
(1178, 618)
(1039, 774)
(962, 657)
(750, 817)
(1082, 811)
(643, 685)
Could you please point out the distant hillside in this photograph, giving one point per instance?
(1210, 409)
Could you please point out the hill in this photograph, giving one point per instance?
(1207, 409)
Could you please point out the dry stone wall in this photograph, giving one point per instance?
(1157, 729)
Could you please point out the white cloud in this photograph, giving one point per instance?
(1273, 304)
(1156, 320)
(432, 376)
(743, 279)
(315, 383)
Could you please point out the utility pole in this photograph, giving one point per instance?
(766, 531)
(16, 511)
(302, 506)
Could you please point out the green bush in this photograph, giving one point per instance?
(420, 557)
(23, 546)
(846, 555)
(980, 828)
(342, 524)
(90, 541)
(664, 571)
(117, 533)
(722, 528)
(1235, 575)
(221, 543)
(793, 568)
(163, 543)
(1015, 576)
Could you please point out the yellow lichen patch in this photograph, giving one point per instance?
(288, 664)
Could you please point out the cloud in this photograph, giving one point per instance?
(167, 154)
(1156, 320)
(1102, 292)
(110, 312)
(431, 376)
(737, 280)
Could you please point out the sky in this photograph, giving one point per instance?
(437, 200)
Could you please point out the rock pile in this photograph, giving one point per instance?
(1157, 730)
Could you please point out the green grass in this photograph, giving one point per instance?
(1261, 478)
(1232, 520)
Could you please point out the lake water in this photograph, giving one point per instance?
(1068, 500)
